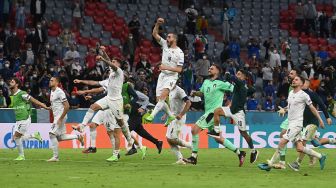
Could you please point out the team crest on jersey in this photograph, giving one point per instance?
(169, 58)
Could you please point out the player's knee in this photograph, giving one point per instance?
(218, 111)
(17, 135)
(171, 141)
(299, 149)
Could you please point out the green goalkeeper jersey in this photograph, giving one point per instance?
(213, 91)
(20, 103)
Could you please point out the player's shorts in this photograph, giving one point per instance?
(22, 126)
(294, 131)
(165, 82)
(238, 118)
(284, 124)
(100, 117)
(206, 121)
(174, 128)
(58, 130)
(116, 125)
(309, 132)
(116, 106)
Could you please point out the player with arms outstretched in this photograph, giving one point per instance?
(171, 64)
(20, 102)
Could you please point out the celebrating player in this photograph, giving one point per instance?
(310, 123)
(213, 91)
(60, 107)
(179, 104)
(236, 112)
(297, 101)
(171, 64)
(20, 101)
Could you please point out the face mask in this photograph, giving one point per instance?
(1, 45)
(33, 32)
(1, 82)
(77, 63)
(310, 65)
(73, 96)
(254, 56)
(27, 86)
(6, 65)
(51, 69)
(34, 75)
(204, 57)
(14, 33)
(38, 26)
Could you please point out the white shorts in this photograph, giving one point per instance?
(174, 128)
(294, 132)
(309, 132)
(100, 117)
(58, 130)
(165, 82)
(22, 126)
(116, 106)
(238, 118)
(117, 126)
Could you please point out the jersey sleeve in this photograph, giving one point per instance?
(182, 94)
(163, 43)
(61, 96)
(203, 86)
(180, 60)
(226, 86)
(104, 84)
(25, 96)
(307, 99)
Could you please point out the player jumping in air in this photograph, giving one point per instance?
(236, 112)
(60, 107)
(213, 91)
(171, 64)
(20, 102)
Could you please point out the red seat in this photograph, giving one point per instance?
(314, 48)
(322, 41)
(89, 12)
(55, 26)
(292, 6)
(110, 13)
(83, 41)
(156, 50)
(323, 48)
(120, 21)
(331, 48)
(93, 41)
(146, 43)
(101, 5)
(284, 26)
(294, 33)
(114, 50)
(319, 7)
(100, 13)
(312, 41)
(145, 50)
(108, 27)
(303, 40)
(53, 33)
(90, 6)
(98, 20)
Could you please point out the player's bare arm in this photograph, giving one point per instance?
(87, 82)
(317, 115)
(65, 111)
(91, 91)
(155, 32)
(109, 63)
(185, 109)
(38, 103)
(196, 93)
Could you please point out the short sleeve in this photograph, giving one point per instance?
(307, 99)
(163, 43)
(25, 96)
(182, 94)
(104, 84)
(62, 97)
(180, 60)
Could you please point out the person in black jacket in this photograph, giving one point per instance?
(37, 9)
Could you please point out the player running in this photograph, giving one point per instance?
(236, 112)
(20, 102)
(171, 64)
(297, 101)
(310, 123)
(179, 104)
(60, 107)
(213, 91)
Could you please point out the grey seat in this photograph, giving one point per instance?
(96, 34)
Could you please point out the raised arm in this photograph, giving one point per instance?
(109, 63)
(155, 32)
(87, 82)
(91, 91)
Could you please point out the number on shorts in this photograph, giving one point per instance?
(172, 130)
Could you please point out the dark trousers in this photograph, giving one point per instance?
(135, 124)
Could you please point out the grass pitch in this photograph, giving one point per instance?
(215, 168)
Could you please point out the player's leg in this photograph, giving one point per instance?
(217, 114)
(195, 130)
(54, 147)
(61, 131)
(93, 135)
(136, 143)
(276, 156)
(301, 148)
(114, 136)
(284, 127)
(135, 125)
(19, 131)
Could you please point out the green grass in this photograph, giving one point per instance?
(216, 168)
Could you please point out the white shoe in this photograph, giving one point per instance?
(53, 159)
(180, 162)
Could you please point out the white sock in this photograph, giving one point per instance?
(158, 107)
(19, 145)
(27, 137)
(312, 152)
(275, 156)
(116, 152)
(88, 116)
(93, 135)
(332, 141)
(68, 137)
(112, 139)
(183, 143)
(127, 134)
(54, 145)
(176, 151)
(167, 109)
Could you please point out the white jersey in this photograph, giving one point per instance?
(57, 98)
(176, 100)
(104, 84)
(296, 105)
(115, 82)
(172, 57)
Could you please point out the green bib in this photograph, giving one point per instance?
(22, 108)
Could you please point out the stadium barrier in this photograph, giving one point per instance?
(262, 126)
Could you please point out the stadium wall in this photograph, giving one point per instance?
(263, 127)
